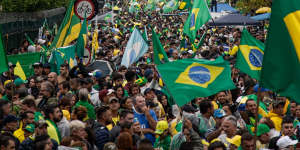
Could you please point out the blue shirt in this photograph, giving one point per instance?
(145, 124)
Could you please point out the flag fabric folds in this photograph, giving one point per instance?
(250, 55)
(3, 58)
(18, 70)
(199, 15)
(145, 34)
(63, 54)
(159, 53)
(171, 6)
(95, 43)
(135, 48)
(198, 77)
(69, 28)
(26, 61)
(281, 64)
(81, 41)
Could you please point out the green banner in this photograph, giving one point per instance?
(26, 60)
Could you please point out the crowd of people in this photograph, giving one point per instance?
(131, 109)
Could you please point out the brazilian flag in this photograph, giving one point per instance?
(199, 15)
(250, 55)
(159, 54)
(187, 79)
(281, 65)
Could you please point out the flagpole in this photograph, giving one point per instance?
(256, 115)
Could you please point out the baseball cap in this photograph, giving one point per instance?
(19, 81)
(7, 81)
(219, 113)
(10, 118)
(103, 93)
(255, 88)
(262, 129)
(113, 99)
(96, 74)
(30, 128)
(161, 126)
(110, 91)
(10, 64)
(236, 140)
(286, 141)
(37, 64)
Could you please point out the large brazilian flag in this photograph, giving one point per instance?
(187, 79)
(250, 55)
(281, 63)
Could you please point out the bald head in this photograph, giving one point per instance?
(52, 77)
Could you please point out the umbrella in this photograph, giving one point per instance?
(263, 10)
(233, 19)
(260, 17)
(102, 65)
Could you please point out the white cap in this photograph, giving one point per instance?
(110, 91)
(286, 141)
(41, 41)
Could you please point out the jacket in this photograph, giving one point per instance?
(102, 135)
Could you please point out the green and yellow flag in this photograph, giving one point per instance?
(80, 45)
(26, 60)
(18, 70)
(3, 58)
(199, 15)
(250, 55)
(69, 28)
(171, 6)
(281, 64)
(95, 43)
(63, 55)
(197, 77)
(159, 54)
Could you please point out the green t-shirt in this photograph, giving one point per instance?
(163, 144)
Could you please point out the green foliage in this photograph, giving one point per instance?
(31, 5)
(250, 6)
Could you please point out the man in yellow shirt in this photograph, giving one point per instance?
(276, 114)
(26, 118)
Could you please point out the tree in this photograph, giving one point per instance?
(250, 6)
(31, 5)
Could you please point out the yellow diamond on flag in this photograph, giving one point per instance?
(199, 75)
(253, 56)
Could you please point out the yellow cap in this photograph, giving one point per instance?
(236, 140)
(7, 81)
(161, 126)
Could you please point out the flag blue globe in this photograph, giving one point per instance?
(199, 74)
